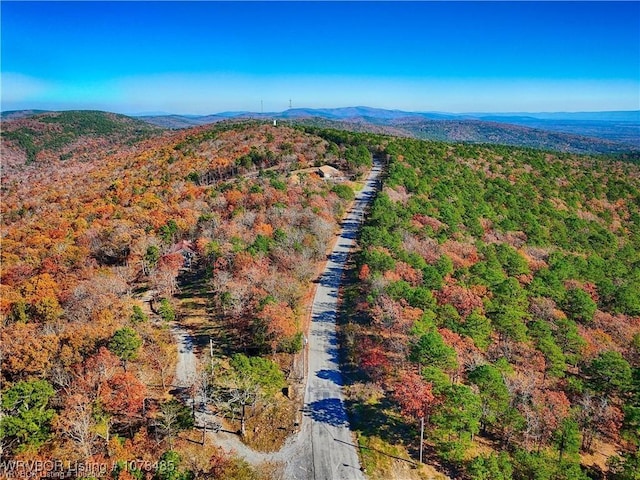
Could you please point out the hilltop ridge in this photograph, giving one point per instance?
(606, 132)
(484, 253)
(28, 136)
(581, 132)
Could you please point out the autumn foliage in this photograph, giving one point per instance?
(414, 395)
(496, 294)
(93, 226)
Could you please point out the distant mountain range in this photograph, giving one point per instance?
(614, 132)
(607, 132)
(342, 113)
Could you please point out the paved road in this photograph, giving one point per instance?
(324, 448)
(333, 455)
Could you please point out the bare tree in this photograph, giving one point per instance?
(158, 357)
(174, 416)
(234, 394)
(78, 424)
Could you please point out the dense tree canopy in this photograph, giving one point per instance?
(524, 301)
(103, 228)
(497, 291)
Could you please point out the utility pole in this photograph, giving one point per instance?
(211, 351)
(421, 436)
(289, 104)
(304, 353)
(243, 428)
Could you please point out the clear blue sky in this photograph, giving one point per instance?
(206, 57)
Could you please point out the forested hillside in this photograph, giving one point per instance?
(64, 135)
(87, 365)
(496, 295)
(483, 131)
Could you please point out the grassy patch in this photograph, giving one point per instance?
(383, 435)
(196, 457)
(357, 185)
(378, 457)
(269, 425)
(382, 461)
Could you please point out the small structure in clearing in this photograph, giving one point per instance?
(330, 173)
(185, 248)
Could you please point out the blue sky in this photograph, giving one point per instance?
(206, 57)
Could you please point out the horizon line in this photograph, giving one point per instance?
(249, 112)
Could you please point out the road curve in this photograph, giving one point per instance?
(333, 454)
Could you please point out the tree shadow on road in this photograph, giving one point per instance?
(334, 355)
(331, 279)
(330, 411)
(324, 317)
(334, 375)
(339, 257)
(350, 234)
